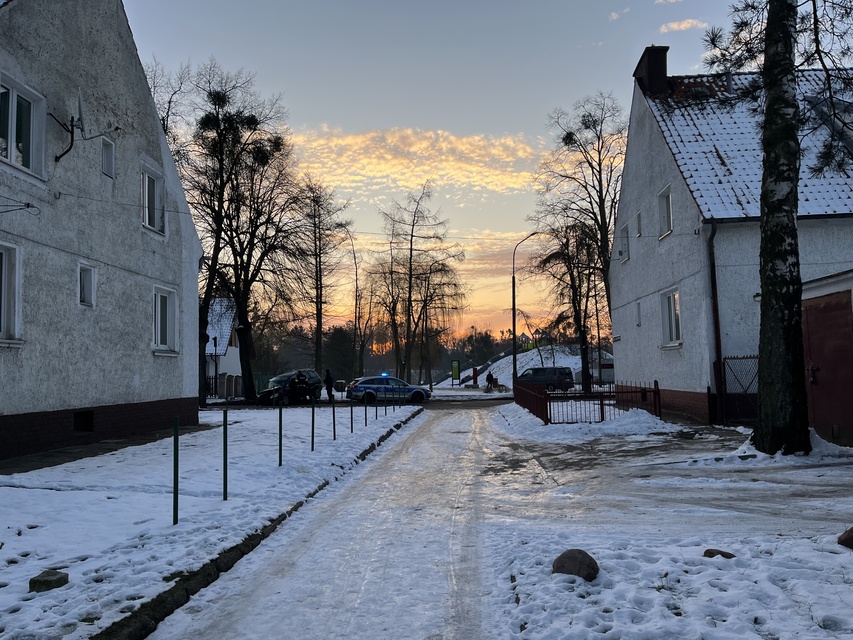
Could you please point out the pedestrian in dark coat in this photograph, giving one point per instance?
(490, 380)
(330, 385)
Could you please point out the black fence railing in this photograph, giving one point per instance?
(600, 404)
(740, 384)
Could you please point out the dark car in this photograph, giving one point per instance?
(552, 378)
(385, 388)
(300, 385)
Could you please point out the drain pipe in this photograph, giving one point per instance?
(718, 341)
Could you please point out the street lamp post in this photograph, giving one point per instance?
(514, 335)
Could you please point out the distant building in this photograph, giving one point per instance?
(684, 275)
(222, 352)
(98, 253)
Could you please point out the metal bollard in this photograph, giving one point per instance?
(175, 473)
(225, 454)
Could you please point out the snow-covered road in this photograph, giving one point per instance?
(392, 551)
(446, 530)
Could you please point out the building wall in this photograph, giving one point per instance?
(656, 265)
(824, 249)
(69, 356)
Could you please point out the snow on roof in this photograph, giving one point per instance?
(220, 321)
(718, 148)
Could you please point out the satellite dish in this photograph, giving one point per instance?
(79, 122)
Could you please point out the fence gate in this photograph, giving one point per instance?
(740, 381)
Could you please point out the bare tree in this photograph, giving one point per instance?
(326, 232)
(260, 233)
(416, 245)
(580, 180)
(220, 130)
(568, 260)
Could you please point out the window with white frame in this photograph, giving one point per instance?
(152, 206)
(165, 319)
(87, 285)
(671, 317)
(22, 113)
(624, 252)
(9, 292)
(665, 212)
(108, 157)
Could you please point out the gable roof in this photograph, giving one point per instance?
(717, 147)
(220, 321)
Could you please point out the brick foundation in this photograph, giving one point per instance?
(27, 433)
(691, 404)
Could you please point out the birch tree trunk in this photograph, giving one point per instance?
(782, 411)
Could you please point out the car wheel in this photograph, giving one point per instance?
(369, 398)
(318, 394)
(418, 396)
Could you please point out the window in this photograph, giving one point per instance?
(665, 212)
(623, 243)
(671, 317)
(87, 285)
(9, 292)
(21, 125)
(108, 157)
(165, 319)
(152, 207)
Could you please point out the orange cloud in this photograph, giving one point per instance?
(400, 160)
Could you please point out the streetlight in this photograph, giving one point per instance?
(514, 336)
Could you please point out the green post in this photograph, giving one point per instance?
(365, 412)
(334, 428)
(351, 418)
(279, 436)
(376, 408)
(225, 454)
(385, 393)
(312, 423)
(175, 424)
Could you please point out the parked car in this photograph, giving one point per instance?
(372, 388)
(552, 378)
(300, 385)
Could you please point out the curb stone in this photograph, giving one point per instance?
(144, 620)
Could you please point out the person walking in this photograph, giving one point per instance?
(490, 381)
(330, 385)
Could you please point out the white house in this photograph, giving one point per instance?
(98, 254)
(222, 353)
(684, 273)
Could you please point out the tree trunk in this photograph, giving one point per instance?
(247, 348)
(782, 410)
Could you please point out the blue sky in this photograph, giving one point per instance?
(383, 95)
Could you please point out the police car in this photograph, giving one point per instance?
(385, 388)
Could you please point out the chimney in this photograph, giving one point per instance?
(651, 71)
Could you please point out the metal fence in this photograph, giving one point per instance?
(602, 403)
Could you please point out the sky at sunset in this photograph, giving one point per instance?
(384, 95)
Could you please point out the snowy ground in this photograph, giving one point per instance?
(646, 505)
